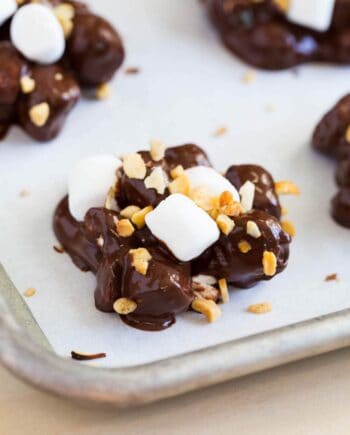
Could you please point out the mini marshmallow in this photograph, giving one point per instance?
(90, 182)
(215, 183)
(7, 9)
(316, 14)
(185, 228)
(37, 34)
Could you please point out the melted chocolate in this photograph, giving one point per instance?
(166, 290)
(330, 138)
(93, 55)
(260, 34)
(224, 259)
(266, 198)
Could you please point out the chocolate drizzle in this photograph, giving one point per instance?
(260, 34)
(166, 290)
(332, 138)
(94, 53)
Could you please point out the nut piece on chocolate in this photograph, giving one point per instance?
(147, 256)
(263, 34)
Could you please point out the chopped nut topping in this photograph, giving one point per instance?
(269, 263)
(247, 192)
(204, 279)
(181, 184)
(39, 114)
(65, 13)
(244, 246)
(249, 76)
(157, 150)
(103, 91)
(140, 259)
(207, 307)
(288, 227)
(286, 188)
(157, 180)
(27, 84)
(24, 193)
(225, 297)
(128, 212)
(110, 202)
(228, 206)
(58, 77)
(332, 277)
(220, 131)
(125, 228)
(225, 224)
(124, 306)
(205, 291)
(59, 249)
(132, 70)
(347, 134)
(253, 230)
(201, 197)
(29, 292)
(138, 218)
(177, 172)
(282, 4)
(262, 308)
(134, 166)
(100, 242)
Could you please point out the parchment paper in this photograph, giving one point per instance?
(188, 86)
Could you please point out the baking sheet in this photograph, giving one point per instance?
(188, 86)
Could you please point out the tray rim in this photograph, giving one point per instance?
(25, 351)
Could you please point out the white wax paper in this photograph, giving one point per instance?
(188, 86)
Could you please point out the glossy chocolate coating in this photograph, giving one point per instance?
(266, 198)
(60, 94)
(95, 50)
(260, 34)
(166, 290)
(330, 138)
(225, 260)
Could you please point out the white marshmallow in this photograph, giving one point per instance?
(90, 182)
(186, 229)
(316, 14)
(37, 34)
(215, 183)
(7, 9)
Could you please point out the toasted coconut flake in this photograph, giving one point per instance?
(207, 307)
(286, 188)
(157, 150)
(129, 211)
(177, 172)
(181, 184)
(139, 217)
(253, 230)
(134, 166)
(225, 224)
(269, 263)
(225, 297)
(124, 306)
(289, 228)
(261, 308)
(39, 114)
(157, 180)
(244, 246)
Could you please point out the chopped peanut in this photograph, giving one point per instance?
(181, 184)
(39, 114)
(282, 4)
(347, 134)
(225, 224)
(253, 229)
(177, 171)
(29, 292)
(110, 202)
(100, 242)
(288, 227)
(138, 218)
(205, 291)
(27, 84)
(103, 91)
(269, 263)
(157, 180)
(286, 188)
(207, 307)
(225, 297)
(140, 259)
(134, 166)
(65, 13)
(157, 150)
(244, 246)
(125, 228)
(128, 212)
(124, 306)
(220, 131)
(262, 308)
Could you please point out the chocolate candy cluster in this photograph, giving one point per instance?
(332, 137)
(165, 241)
(260, 33)
(41, 79)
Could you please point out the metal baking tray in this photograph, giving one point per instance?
(26, 352)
